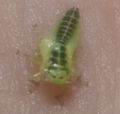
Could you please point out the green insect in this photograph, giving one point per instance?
(57, 50)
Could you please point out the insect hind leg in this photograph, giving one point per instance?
(35, 78)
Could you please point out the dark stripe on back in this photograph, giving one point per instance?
(63, 62)
(54, 53)
(58, 59)
(67, 26)
(62, 48)
(53, 60)
(62, 54)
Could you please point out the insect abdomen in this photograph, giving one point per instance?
(58, 67)
(58, 59)
(57, 50)
(67, 26)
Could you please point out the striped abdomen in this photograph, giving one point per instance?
(58, 65)
(58, 61)
(67, 26)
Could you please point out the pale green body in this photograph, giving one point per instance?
(44, 49)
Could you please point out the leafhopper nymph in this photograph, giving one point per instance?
(57, 50)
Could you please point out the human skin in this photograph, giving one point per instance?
(97, 60)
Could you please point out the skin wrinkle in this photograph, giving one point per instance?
(23, 22)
